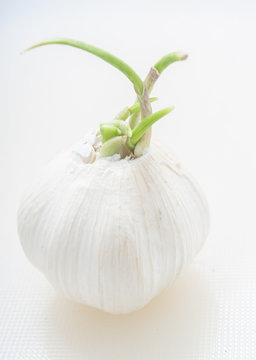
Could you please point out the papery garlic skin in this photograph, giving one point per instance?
(112, 234)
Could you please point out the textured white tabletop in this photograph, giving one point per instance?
(50, 97)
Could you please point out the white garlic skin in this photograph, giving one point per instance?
(112, 234)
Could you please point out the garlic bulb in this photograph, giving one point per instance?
(112, 229)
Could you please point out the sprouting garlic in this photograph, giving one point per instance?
(113, 232)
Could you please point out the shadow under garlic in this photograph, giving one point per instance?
(170, 327)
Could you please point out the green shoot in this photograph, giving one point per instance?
(109, 58)
(146, 123)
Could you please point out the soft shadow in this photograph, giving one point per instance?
(170, 327)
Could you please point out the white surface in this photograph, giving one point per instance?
(51, 96)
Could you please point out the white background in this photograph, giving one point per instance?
(48, 100)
